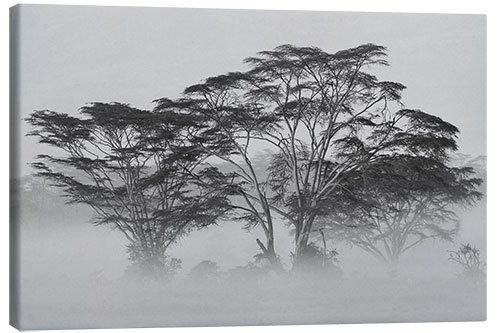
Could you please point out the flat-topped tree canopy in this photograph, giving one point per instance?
(135, 168)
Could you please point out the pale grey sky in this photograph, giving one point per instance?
(71, 55)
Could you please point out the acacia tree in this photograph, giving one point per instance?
(408, 199)
(325, 116)
(229, 128)
(133, 167)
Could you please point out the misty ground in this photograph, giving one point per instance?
(51, 304)
(71, 276)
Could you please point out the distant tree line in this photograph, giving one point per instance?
(348, 160)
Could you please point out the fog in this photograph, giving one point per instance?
(72, 275)
(58, 304)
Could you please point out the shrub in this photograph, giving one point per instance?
(205, 270)
(468, 257)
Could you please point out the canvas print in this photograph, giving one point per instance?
(202, 167)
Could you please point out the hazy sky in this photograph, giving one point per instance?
(71, 55)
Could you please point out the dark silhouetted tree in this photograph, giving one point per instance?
(134, 168)
(403, 201)
(324, 115)
(228, 134)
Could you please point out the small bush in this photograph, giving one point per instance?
(252, 271)
(205, 270)
(153, 268)
(468, 257)
(317, 261)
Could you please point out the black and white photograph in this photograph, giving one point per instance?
(202, 167)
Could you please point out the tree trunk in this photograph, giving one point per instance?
(302, 240)
(147, 262)
(393, 267)
(300, 256)
(270, 254)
